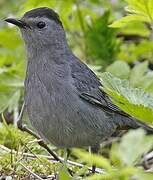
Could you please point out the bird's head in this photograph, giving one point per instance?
(39, 27)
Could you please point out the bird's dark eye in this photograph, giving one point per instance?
(41, 25)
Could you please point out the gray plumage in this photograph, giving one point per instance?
(62, 95)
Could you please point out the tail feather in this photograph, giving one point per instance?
(146, 127)
(129, 122)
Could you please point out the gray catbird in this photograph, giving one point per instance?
(62, 95)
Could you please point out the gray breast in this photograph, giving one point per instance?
(61, 117)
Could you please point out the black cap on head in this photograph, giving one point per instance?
(43, 12)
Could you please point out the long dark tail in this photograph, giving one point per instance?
(129, 122)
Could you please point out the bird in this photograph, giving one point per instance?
(63, 98)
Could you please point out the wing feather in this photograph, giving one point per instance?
(88, 85)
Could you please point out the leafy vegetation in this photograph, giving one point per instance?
(114, 36)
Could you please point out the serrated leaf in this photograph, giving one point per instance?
(139, 6)
(133, 101)
(139, 10)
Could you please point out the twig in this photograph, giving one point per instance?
(35, 175)
(49, 158)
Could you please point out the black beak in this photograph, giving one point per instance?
(17, 22)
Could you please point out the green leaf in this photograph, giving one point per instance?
(101, 41)
(120, 69)
(138, 72)
(114, 156)
(144, 7)
(136, 28)
(91, 159)
(133, 145)
(133, 101)
(139, 10)
(63, 174)
(137, 6)
(144, 176)
(128, 19)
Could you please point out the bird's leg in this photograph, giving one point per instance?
(94, 150)
(23, 127)
(68, 152)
